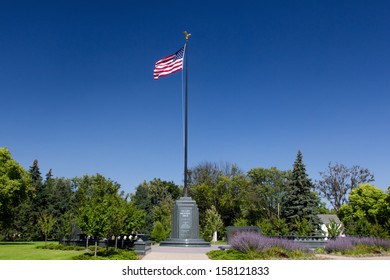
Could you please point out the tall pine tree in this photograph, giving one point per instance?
(300, 202)
(35, 174)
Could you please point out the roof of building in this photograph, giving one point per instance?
(327, 218)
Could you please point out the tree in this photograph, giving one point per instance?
(213, 224)
(68, 225)
(15, 187)
(367, 212)
(163, 214)
(135, 218)
(273, 226)
(150, 196)
(303, 226)
(300, 201)
(96, 209)
(158, 233)
(338, 181)
(61, 197)
(46, 223)
(35, 174)
(220, 186)
(265, 195)
(230, 197)
(206, 172)
(117, 216)
(54, 196)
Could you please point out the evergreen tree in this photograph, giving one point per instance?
(39, 202)
(300, 201)
(35, 174)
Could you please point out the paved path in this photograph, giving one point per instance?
(179, 253)
(193, 253)
(337, 257)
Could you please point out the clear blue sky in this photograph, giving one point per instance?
(266, 78)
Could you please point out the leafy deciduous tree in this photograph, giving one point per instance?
(219, 186)
(338, 181)
(367, 212)
(213, 224)
(153, 198)
(15, 186)
(96, 211)
(265, 195)
(46, 223)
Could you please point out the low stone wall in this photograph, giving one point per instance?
(312, 242)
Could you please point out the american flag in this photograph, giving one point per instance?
(169, 64)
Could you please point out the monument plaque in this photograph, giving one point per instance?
(185, 225)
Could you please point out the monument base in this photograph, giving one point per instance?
(185, 225)
(175, 242)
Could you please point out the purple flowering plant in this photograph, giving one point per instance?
(343, 244)
(251, 241)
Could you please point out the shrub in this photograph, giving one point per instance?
(363, 227)
(61, 247)
(355, 245)
(339, 245)
(251, 241)
(240, 222)
(334, 229)
(303, 227)
(248, 245)
(158, 234)
(228, 255)
(273, 227)
(111, 254)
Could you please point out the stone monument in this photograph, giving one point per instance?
(185, 225)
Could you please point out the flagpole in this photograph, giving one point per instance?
(187, 35)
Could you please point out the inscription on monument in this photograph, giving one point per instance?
(185, 217)
(185, 225)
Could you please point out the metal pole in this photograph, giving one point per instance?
(187, 35)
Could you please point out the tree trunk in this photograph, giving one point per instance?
(116, 242)
(215, 236)
(45, 240)
(86, 248)
(96, 244)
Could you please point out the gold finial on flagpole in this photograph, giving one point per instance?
(187, 35)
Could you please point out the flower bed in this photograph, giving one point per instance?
(246, 241)
(254, 246)
(351, 245)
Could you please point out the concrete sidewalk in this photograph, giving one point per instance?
(338, 257)
(199, 253)
(179, 253)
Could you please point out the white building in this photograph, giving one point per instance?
(326, 219)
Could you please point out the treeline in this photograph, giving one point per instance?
(280, 202)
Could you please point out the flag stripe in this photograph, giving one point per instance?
(169, 64)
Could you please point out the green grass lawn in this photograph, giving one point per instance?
(29, 251)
